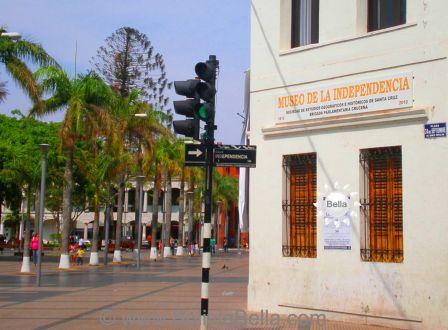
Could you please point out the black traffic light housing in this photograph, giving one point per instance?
(202, 88)
(187, 127)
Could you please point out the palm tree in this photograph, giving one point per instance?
(169, 151)
(225, 193)
(97, 164)
(84, 99)
(14, 53)
(132, 133)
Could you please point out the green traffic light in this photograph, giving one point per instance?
(202, 112)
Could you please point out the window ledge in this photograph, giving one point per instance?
(395, 115)
(337, 41)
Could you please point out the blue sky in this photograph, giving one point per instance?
(184, 31)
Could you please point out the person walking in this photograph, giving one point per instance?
(79, 256)
(35, 247)
(226, 245)
(81, 243)
(212, 245)
(172, 245)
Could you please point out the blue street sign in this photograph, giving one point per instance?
(435, 130)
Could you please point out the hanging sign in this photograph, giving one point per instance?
(358, 97)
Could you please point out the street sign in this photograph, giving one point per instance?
(194, 155)
(435, 130)
(235, 155)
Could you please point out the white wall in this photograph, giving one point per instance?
(339, 280)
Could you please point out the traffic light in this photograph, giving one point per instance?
(206, 71)
(187, 127)
(202, 88)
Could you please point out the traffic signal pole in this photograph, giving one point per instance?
(208, 140)
(203, 87)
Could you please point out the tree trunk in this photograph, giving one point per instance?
(94, 260)
(155, 210)
(66, 209)
(180, 233)
(117, 253)
(168, 204)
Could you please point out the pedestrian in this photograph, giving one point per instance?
(226, 245)
(212, 245)
(81, 243)
(159, 247)
(172, 245)
(2, 243)
(35, 247)
(79, 256)
(73, 251)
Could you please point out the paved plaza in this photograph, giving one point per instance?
(162, 295)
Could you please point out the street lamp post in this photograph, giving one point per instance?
(107, 225)
(140, 179)
(43, 148)
(219, 206)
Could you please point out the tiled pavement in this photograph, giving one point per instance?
(162, 295)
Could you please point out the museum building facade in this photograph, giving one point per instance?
(348, 201)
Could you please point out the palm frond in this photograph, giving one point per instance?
(22, 74)
(32, 52)
(3, 91)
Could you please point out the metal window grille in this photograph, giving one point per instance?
(300, 232)
(382, 205)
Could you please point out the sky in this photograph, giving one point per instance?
(183, 31)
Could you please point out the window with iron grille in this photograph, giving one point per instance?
(381, 205)
(383, 14)
(300, 233)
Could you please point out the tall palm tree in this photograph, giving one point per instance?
(169, 151)
(84, 99)
(14, 54)
(97, 164)
(133, 134)
(225, 193)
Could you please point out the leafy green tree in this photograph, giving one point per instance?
(14, 54)
(21, 160)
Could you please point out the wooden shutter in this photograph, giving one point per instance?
(385, 205)
(302, 217)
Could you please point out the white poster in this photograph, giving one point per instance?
(336, 208)
(358, 97)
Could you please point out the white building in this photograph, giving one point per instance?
(341, 92)
(84, 220)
